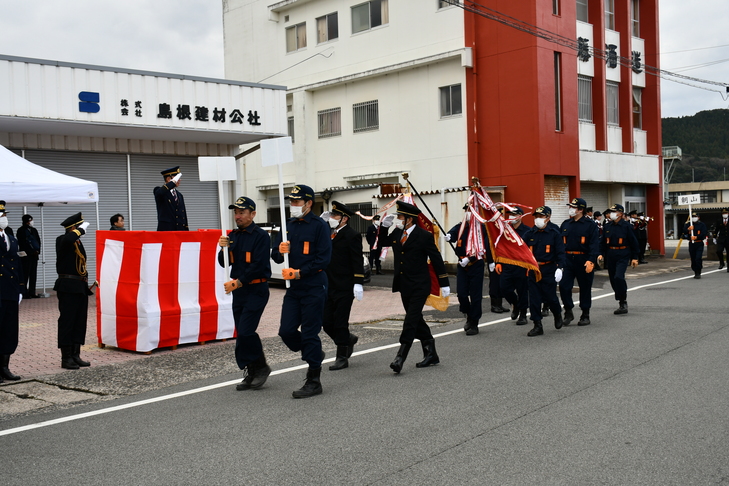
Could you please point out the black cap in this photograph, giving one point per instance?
(588, 209)
(407, 209)
(617, 208)
(608, 210)
(544, 211)
(172, 171)
(341, 209)
(694, 214)
(516, 210)
(466, 206)
(243, 203)
(641, 213)
(300, 191)
(74, 220)
(26, 218)
(633, 212)
(578, 203)
(376, 217)
(597, 214)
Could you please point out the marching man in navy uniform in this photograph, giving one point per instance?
(581, 244)
(345, 276)
(373, 238)
(469, 277)
(721, 238)
(249, 249)
(619, 247)
(11, 289)
(514, 280)
(73, 291)
(695, 232)
(171, 213)
(412, 246)
(310, 250)
(545, 242)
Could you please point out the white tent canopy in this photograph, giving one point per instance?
(24, 183)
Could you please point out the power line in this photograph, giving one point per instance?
(696, 49)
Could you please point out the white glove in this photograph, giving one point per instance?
(177, 178)
(448, 237)
(445, 291)
(358, 291)
(325, 215)
(387, 220)
(715, 241)
(84, 225)
(464, 261)
(20, 298)
(492, 267)
(558, 275)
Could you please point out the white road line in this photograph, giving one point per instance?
(162, 398)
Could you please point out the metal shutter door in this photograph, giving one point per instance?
(596, 196)
(557, 196)
(201, 198)
(109, 171)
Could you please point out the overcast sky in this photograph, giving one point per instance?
(186, 37)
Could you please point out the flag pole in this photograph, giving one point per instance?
(405, 176)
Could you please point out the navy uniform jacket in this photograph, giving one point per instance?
(171, 214)
(372, 233)
(581, 235)
(11, 273)
(29, 241)
(721, 231)
(310, 251)
(249, 253)
(347, 264)
(546, 245)
(412, 276)
(700, 231)
(460, 243)
(71, 260)
(619, 241)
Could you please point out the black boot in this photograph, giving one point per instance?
(558, 320)
(246, 383)
(402, 355)
(496, 307)
(623, 309)
(67, 360)
(568, 316)
(471, 327)
(352, 341)
(77, 356)
(522, 318)
(4, 370)
(430, 357)
(312, 386)
(545, 310)
(261, 370)
(584, 318)
(514, 312)
(341, 362)
(697, 274)
(721, 264)
(537, 330)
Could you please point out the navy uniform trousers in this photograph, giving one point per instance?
(696, 251)
(8, 326)
(303, 305)
(617, 263)
(544, 291)
(249, 303)
(575, 269)
(336, 317)
(469, 281)
(515, 285)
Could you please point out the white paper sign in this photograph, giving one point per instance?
(689, 199)
(217, 168)
(276, 151)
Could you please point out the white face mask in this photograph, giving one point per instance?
(641, 217)
(614, 216)
(3, 222)
(599, 219)
(399, 224)
(694, 219)
(333, 223)
(632, 220)
(30, 223)
(297, 211)
(540, 222)
(513, 221)
(725, 216)
(573, 212)
(376, 223)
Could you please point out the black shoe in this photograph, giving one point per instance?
(4, 370)
(584, 318)
(558, 320)
(312, 386)
(402, 355)
(77, 358)
(642, 262)
(568, 316)
(67, 360)
(497, 309)
(467, 325)
(260, 376)
(545, 310)
(623, 309)
(537, 330)
(341, 362)
(697, 275)
(246, 383)
(352, 341)
(514, 312)
(430, 357)
(378, 273)
(721, 265)
(522, 318)
(472, 328)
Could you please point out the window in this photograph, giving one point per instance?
(638, 108)
(582, 10)
(327, 28)
(296, 37)
(584, 98)
(330, 122)
(613, 115)
(558, 91)
(610, 14)
(291, 128)
(368, 15)
(450, 100)
(366, 116)
(635, 17)
(555, 7)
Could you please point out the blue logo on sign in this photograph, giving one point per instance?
(89, 102)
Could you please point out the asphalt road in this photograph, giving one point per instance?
(636, 399)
